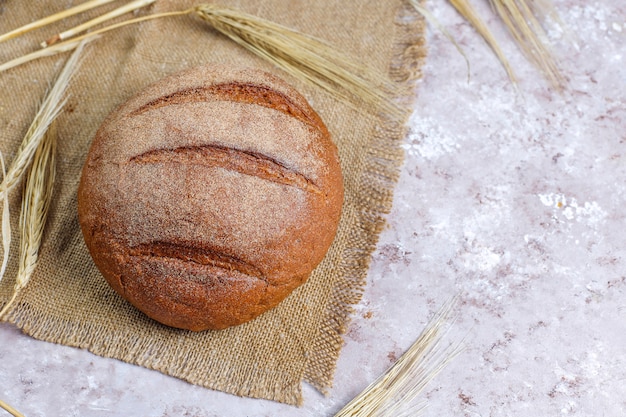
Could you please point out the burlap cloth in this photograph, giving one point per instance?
(68, 302)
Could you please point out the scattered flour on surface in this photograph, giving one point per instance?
(588, 212)
(481, 259)
(427, 140)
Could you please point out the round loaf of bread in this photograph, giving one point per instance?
(210, 196)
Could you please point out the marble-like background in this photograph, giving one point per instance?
(512, 199)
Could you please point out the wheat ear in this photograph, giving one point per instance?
(37, 152)
(35, 204)
(48, 111)
(396, 392)
(304, 57)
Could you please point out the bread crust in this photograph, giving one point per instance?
(210, 196)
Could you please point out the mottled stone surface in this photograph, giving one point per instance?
(514, 200)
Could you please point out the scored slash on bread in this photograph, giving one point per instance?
(239, 92)
(210, 196)
(232, 159)
(190, 252)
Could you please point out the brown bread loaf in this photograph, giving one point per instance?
(211, 195)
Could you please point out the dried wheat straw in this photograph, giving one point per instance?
(396, 392)
(127, 8)
(53, 18)
(41, 53)
(73, 43)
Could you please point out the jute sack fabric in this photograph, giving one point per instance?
(68, 302)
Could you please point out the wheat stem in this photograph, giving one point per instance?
(6, 407)
(53, 18)
(132, 6)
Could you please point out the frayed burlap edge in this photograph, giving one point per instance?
(385, 158)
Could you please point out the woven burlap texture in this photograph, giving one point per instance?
(68, 302)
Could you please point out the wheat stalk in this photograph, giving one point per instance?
(527, 31)
(35, 204)
(396, 392)
(37, 151)
(73, 43)
(6, 225)
(130, 7)
(521, 21)
(305, 57)
(47, 112)
(521, 17)
(53, 18)
(468, 11)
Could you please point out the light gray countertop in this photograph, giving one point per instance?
(512, 199)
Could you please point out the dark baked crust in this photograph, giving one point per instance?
(208, 197)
